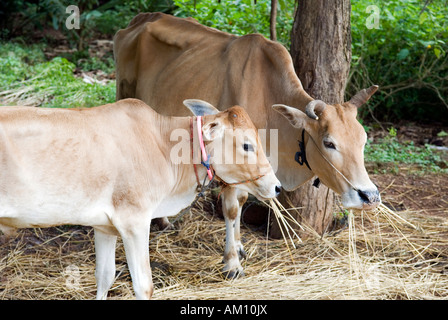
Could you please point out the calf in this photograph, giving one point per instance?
(116, 167)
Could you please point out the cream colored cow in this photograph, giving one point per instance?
(113, 168)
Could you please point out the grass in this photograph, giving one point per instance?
(392, 152)
(26, 78)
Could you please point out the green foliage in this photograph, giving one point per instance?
(105, 64)
(406, 55)
(97, 18)
(117, 14)
(26, 76)
(15, 61)
(390, 150)
(239, 17)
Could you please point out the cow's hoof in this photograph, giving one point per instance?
(233, 274)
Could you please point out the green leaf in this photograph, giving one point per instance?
(389, 15)
(402, 54)
(423, 17)
(426, 43)
(437, 52)
(55, 23)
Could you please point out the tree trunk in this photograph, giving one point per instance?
(273, 21)
(321, 52)
(321, 47)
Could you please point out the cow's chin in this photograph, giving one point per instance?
(352, 200)
(261, 195)
(265, 188)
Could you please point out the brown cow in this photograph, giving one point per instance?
(162, 60)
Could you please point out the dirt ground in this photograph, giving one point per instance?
(426, 193)
(43, 263)
(410, 188)
(38, 263)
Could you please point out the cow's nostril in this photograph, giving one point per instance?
(363, 195)
(278, 189)
(369, 196)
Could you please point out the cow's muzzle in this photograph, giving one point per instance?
(370, 198)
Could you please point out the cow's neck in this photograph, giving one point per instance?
(298, 97)
(290, 173)
(199, 170)
(179, 130)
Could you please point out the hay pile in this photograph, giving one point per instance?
(378, 256)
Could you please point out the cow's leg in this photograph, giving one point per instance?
(232, 201)
(242, 198)
(135, 234)
(105, 262)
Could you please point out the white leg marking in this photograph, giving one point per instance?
(136, 242)
(232, 212)
(105, 262)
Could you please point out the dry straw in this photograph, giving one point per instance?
(380, 255)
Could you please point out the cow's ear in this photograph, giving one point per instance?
(199, 107)
(213, 130)
(297, 118)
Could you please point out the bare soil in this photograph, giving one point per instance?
(426, 193)
(411, 188)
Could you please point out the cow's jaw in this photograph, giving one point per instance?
(267, 187)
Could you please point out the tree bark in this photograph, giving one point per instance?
(321, 52)
(273, 21)
(321, 47)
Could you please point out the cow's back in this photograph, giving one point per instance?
(78, 166)
(74, 149)
(163, 60)
(150, 48)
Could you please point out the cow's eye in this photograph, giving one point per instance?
(248, 147)
(329, 145)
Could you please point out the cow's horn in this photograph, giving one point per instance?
(315, 106)
(362, 96)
